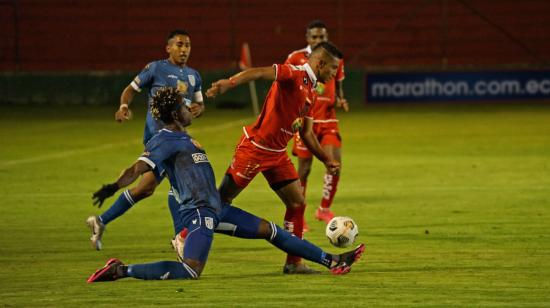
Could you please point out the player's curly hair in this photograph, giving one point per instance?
(165, 100)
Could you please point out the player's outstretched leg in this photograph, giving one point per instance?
(239, 223)
(163, 270)
(124, 202)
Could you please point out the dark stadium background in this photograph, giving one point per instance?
(86, 52)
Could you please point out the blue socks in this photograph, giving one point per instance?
(121, 205)
(125, 202)
(174, 207)
(161, 271)
(291, 244)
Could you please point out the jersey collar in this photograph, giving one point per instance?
(311, 74)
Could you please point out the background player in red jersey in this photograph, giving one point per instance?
(262, 148)
(325, 124)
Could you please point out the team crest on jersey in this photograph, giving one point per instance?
(191, 80)
(320, 88)
(182, 87)
(297, 124)
(196, 143)
(209, 222)
(199, 158)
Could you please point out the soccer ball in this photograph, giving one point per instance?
(342, 231)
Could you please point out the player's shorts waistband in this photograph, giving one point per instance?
(326, 121)
(259, 145)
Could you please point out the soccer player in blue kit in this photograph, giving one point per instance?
(200, 209)
(171, 72)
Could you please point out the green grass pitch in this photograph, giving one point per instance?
(452, 201)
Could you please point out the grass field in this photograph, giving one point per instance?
(453, 203)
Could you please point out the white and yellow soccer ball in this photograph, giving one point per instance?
(342, 231)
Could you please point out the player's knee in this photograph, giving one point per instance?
(196, 267)
(225, 198)
(298, 204)
(142, 192)
(265, 230)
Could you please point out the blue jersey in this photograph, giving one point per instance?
(164, 73)
(187, 167)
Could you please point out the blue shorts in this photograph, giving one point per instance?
(200, 223)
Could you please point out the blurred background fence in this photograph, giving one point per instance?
(86, 52)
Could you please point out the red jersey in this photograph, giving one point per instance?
(288, 101)
(323, 109)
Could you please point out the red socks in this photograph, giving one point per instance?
(329, 190)
(294, 219)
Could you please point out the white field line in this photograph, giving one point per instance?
(68, 153)
(344, 190)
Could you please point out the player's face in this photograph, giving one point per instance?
(327, 68)
(184, 115)
(315, 36)
(179, 49)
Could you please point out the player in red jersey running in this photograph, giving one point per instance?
(287, 109)
(325, 124)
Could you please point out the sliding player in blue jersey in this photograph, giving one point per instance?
(171, 72)
(186, 165)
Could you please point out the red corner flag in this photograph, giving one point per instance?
(245, 61)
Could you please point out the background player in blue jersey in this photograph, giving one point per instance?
(171, 72)
(200, 209)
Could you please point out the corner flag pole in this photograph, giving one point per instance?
(244, 63)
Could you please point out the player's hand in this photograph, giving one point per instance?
(219, 87)
(333, 166)
(105, 192)
(123, 114)
(342, 103)
(196, 109)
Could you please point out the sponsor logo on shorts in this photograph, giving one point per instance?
(199, 158)
(209, 222)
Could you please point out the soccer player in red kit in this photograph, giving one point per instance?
(325, 125)
(287, 109)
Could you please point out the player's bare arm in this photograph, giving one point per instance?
(127, 177)
(341, 102)
(124, 113)
(223, 85)
(311, 142)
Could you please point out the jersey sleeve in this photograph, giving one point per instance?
(340, 75)
(197, 95)
(144, 78)
(292, 59)
(284, 71)
(154, 156)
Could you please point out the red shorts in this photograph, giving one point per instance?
(249, 160)
(326, 134)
